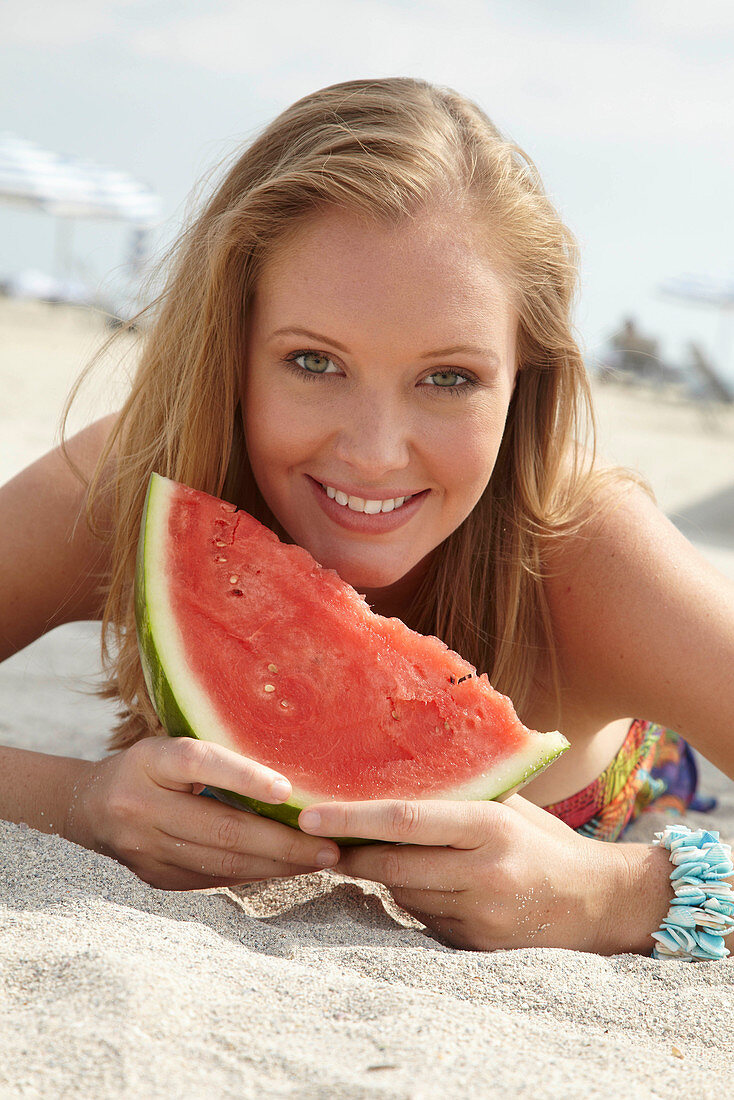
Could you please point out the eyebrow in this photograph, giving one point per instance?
(454, 349)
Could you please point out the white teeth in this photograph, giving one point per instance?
(358, 504)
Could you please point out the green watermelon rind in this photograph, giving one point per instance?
(151, 615)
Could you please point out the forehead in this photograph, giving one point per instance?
(440, 261)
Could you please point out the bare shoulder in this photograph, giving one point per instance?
(644, 624)
(51, 563)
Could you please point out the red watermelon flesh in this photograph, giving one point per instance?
(249, 642)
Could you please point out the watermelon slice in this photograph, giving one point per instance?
(250, 643)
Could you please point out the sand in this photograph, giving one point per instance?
(318, 986)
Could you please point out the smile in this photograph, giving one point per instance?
(358, 504)
(363, 516)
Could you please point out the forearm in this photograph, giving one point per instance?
(643, 900)
(40, 790)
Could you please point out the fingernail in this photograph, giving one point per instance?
(310, 819)
(281, 788)
(327, 857)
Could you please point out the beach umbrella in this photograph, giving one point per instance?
(700, 288)
(68, 188)
(71, 187)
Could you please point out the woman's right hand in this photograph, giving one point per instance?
(140, 806)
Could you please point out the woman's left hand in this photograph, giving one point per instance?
(484, 875)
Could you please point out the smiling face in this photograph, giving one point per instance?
(372, 404)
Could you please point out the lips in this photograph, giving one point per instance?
(369, 494)
(365, 522)
(371, 505)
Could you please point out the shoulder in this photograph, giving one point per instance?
(52, 564)
(617, 524)
(644, 624)
(60, 479)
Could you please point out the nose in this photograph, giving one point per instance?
(374, 438)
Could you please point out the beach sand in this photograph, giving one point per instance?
(318, 986)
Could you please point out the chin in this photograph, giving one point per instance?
(361, 576)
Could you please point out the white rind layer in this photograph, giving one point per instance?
(192, 698)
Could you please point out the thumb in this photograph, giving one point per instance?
(536, 815)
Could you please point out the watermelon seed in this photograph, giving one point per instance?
(394, 714)
(236, 592)
(452, 679)
(219, 558)
(233, 579)
(272, 668)
(218, 542)
(284, 704)
(446, 725)
(269, 687)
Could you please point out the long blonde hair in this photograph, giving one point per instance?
(385, 149)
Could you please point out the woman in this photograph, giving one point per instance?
(375, 303)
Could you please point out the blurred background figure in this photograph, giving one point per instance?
(711, 384)
(630, 356)
(632, 353)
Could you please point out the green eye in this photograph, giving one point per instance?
(322, 361)
(296, 363)
(449, 380)
(454, 382)
(447, 374)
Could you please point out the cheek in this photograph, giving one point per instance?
(267, 421)
(470, 447)
(280, 439)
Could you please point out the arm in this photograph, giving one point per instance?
(40, 789)
(49, 574)
(645, 628)
(51, 565)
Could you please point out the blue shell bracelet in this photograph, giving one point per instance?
(702, 911)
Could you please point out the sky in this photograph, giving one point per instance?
(625, 107)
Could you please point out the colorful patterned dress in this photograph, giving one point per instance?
(654, 768)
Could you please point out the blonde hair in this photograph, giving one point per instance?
(385, 149)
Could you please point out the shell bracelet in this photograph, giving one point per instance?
(702, 911)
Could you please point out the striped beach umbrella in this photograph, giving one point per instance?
(70, 187)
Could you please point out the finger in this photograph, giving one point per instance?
(193, 820)
(166, 876)
(438, 911)
(536, 815)
(227, 867)
(183, 763)
(436, 904)
(424, 821)
(411, 867)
